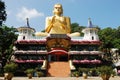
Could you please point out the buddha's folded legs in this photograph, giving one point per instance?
(74, 34)
(41, 34)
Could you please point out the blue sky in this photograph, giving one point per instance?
(104, 13)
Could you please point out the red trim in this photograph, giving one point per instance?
(31, 42)
(85, 42)
(29, 61)
(87, 61)
(58, 51)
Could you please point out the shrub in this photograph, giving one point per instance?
(11, 67)
(29, 71)
(105, 70)
(40, 74)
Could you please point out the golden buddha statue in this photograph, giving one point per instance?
(57, 24)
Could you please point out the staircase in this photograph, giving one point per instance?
(58, 69)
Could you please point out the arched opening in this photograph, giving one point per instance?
(23, 37)
(58, 55)
(92, 38)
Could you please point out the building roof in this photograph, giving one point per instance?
(26, 27)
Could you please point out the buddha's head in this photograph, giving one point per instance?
(58, 9)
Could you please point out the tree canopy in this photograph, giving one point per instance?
(7, 38)
(110, 37)
(76, 28)
(2, 12)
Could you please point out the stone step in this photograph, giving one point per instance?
(58, 69)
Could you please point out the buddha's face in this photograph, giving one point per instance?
(58, 9)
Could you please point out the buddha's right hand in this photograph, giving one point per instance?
(50, 25)
(53, 19)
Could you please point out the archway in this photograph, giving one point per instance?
(58, 55)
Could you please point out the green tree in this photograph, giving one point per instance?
(106, 36)
(7, 38)
(110, 38)
(116, 36)
(76, 28)
(118, 33)
(2, 12)
(116, 43)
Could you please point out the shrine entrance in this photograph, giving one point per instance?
(58, 46)
(58, 56)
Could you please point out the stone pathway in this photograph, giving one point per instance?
(61, 78)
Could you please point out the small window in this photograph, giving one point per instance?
(92, 38)
(23, 37)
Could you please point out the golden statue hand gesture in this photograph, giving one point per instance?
(51, 25)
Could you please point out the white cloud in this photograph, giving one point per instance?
(28, 13)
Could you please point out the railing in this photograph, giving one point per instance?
(28, 61)
(31, 52)
(87, 61)
(86, 52)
